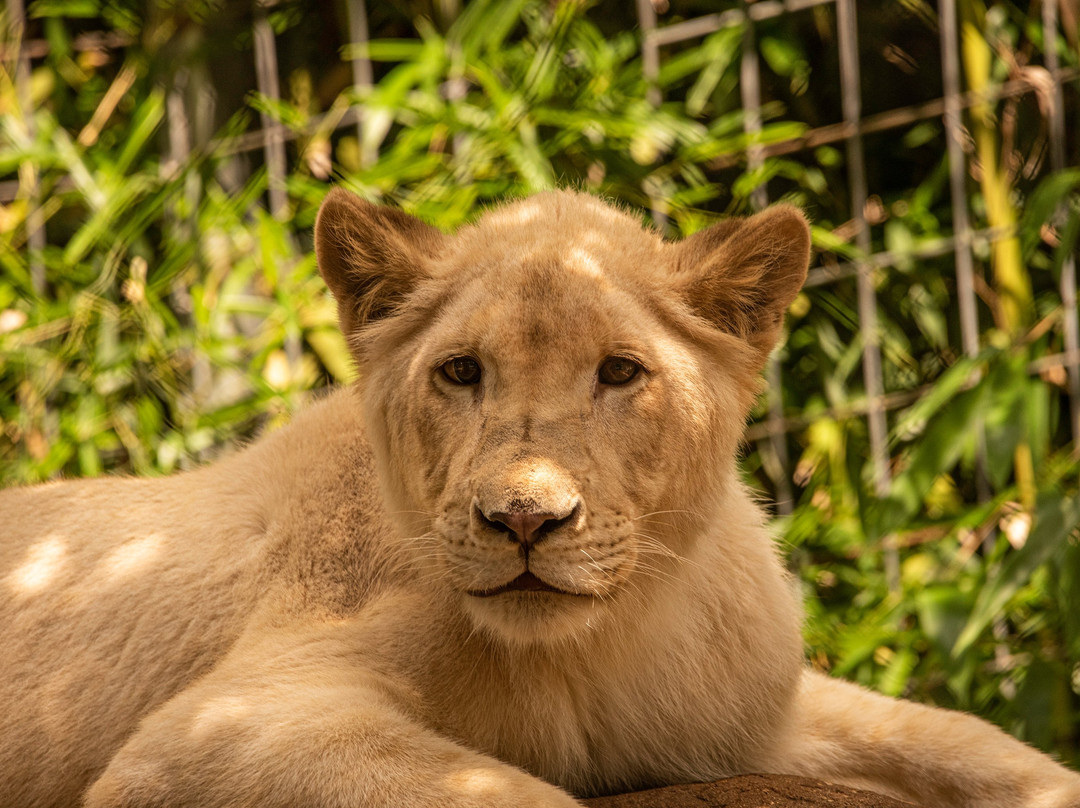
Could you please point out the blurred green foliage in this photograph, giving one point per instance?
(167, 314)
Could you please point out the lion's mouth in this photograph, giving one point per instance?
(526, 582)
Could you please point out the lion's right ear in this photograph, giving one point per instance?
(371, 256)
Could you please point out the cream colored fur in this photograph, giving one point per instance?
(305, 622)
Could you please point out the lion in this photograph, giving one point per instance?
(514, 565)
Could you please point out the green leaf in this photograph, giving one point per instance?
(894, 679)
(1055, 518)
(1039, 703)
(946, 387)
(720, 54)
(329, 345)
(943, 613)
(825, 239)
(78, 9)
(781, 55)
(1043, 203)
(935, 454)
(384, 50)
(145, 123)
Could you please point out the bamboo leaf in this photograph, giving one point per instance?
(936, 453)
(1055, 519)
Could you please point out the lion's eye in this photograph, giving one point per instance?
(462, 370)
(617, 370)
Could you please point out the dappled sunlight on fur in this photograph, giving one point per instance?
(217, 712)
(131, 558)
(41, 565)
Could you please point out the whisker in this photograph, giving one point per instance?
(694, 514)
(653, 546)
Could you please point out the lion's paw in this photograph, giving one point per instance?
(498, 786)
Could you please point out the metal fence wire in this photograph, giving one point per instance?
(656, 38)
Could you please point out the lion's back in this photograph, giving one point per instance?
(106, 611)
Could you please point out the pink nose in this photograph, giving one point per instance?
(528, 528)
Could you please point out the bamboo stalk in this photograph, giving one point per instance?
(1012, 284)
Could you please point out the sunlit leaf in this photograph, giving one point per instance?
(1055, 519)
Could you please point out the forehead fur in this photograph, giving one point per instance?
(581, 232)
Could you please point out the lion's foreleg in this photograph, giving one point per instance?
(939, 758)
(309, 725)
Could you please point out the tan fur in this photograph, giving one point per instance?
(304, 622)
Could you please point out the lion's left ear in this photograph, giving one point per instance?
(741, 274)
(371, 256)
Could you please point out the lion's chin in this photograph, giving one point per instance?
(528, 616)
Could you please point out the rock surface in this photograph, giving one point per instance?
(751, 791)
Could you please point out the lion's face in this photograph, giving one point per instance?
(553, 420)
(540, 406)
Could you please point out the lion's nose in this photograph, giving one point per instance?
(527, 527)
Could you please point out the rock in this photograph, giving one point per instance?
(751, 791)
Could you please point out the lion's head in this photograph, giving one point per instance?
(555, 394)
